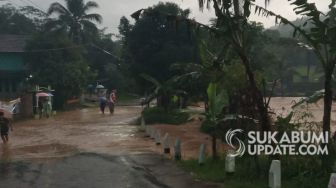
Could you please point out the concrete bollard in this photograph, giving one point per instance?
(177, 148)
(230, 164)
(274, 178)
(201, 157)
(166, 144)
(143, 124)
(147, 131)
(158, 138)
(332, 181)
(152, 133)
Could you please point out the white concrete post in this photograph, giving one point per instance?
(332, 181)
(274, 180)
(201, 157)
(158, 138)
(230, 164)
(143, 124)
(166, 144)
(177, 148)
(147, 131)
(152, 133)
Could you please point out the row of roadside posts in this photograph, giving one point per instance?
(274, 180)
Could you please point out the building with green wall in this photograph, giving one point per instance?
(12, 67)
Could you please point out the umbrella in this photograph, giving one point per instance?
(100, 87)
(43, 95)
(7, 114)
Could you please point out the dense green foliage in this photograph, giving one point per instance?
(155, 45)
(67, 52)
(64, 70)
(20, 21)
(159, 115)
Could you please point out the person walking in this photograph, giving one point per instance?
(40, 107)
(102, 104)
(4, 126)
(112, 100)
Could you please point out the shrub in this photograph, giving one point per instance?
(159, 115)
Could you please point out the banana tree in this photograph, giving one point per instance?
(163, 92)
(232, 24)
(218, 99)
(322, 40)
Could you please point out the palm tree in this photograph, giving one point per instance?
(74, 19)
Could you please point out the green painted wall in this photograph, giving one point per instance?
(11, 62)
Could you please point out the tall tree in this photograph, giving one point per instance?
(232, 19)
(64, 69)
(154, 46)
(74, 18)
(18, 21)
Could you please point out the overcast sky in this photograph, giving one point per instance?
(112, 10)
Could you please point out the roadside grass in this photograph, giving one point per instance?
(159, 115)
(247, 177)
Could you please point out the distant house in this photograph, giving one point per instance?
(12, 68)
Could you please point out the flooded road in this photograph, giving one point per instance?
(84, 148)
(83, 130)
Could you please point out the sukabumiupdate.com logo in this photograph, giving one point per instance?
(275, 143)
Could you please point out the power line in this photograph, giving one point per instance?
(12, 2)
(105, 51)
(74, 47)
(41, 9)
(55, 49)
(34, 5)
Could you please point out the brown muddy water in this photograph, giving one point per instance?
(87, 130)
(67, 133)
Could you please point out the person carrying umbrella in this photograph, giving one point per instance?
(4, 126)
(112, 100)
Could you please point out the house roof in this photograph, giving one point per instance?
(12, 43)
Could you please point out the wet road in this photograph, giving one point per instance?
(84, 148)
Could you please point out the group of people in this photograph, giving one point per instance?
(110, 101)
(44, 107)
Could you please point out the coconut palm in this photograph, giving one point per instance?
(74, 19)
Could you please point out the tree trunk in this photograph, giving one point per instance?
(258, 96)
(327, 101)
(214, 147)
(327, 113)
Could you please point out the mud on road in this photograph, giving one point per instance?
(85, 130)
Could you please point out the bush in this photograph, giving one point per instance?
(297, 171)
(159, 115)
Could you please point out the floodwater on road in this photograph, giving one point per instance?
(85, 130)
(86, 149)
